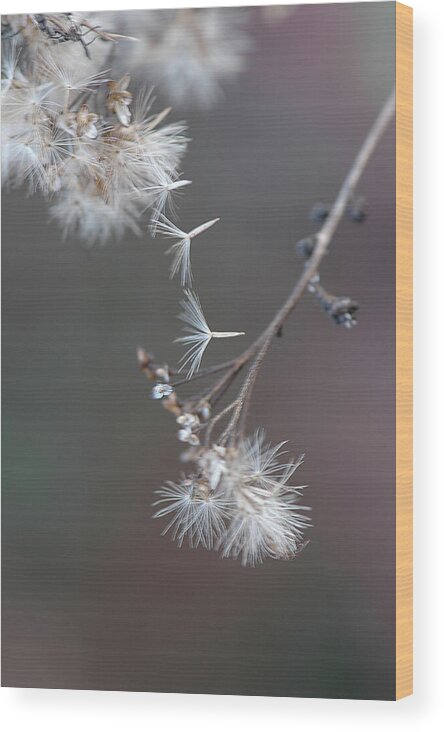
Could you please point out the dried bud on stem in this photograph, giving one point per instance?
(341, 309)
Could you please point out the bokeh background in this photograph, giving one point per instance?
(93, 596)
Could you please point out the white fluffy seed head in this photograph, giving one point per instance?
(101, 167)
(194, 511)
(261, 517)
(192, 54)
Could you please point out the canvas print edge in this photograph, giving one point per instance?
(404, 352)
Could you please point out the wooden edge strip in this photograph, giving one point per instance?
(404, 351)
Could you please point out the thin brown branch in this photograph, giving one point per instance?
(211, 424)
(203, 373)
(323, 238)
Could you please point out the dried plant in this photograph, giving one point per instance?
(200, 333)
(236, 499)
(71, 132)
(192, 53)
(74, 131)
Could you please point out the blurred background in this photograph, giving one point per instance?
(93, 595)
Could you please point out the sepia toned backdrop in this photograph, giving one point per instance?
(93, 595)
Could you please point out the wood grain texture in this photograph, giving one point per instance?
(404, 353)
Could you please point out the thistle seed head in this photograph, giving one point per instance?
(249, 499)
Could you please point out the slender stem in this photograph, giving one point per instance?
(204, 372)
(325, 235)
(241, 410)
(219, 388)
(150, 369)
(323, 238)
(215, 420)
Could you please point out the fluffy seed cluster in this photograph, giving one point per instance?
(79, 137)
(238, 502)
(191, 53)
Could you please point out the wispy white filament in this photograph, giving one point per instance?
(182, 249)
(194, 512)
(200, 333)
(163, 194)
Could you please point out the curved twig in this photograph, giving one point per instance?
(323, 238)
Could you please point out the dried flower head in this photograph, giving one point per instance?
(119, 99)
(341, 309)
(251, 512)
(192, 53)
(160, 391)
(100, 159)
(80, 124)
(194, 511)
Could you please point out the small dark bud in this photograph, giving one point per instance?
(305, 247)
(356, 215)
(356, 211)
(319, 213)
(280, 332)
(342, 310)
